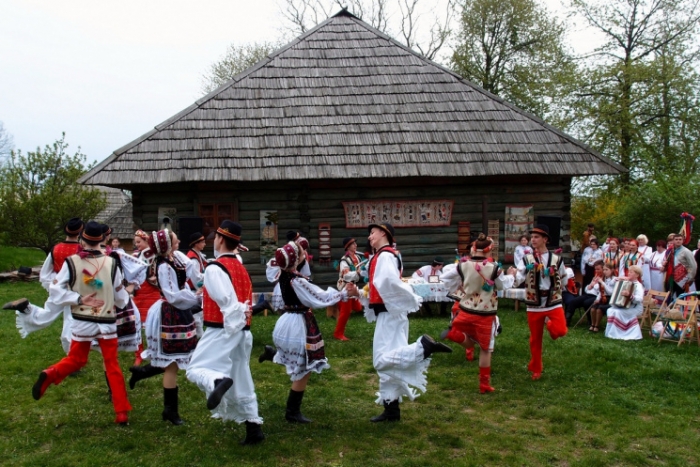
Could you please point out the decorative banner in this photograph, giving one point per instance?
(268, 235)
(519, 221)
(413, 213)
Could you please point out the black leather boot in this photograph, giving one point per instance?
(19, 305)
(293, 413)
(430, 346)
(268, 354)
(170, 403)
(253, 434)
(392, 413)
(142, 372)
(220, 387)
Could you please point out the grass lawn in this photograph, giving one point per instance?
(11, 257)
(599, 402)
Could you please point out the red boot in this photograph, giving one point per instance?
(122, 418)
(485, 380)
(138, 360)
(46, 377)
(470, 354)
(343, 317)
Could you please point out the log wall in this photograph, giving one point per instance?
(303, 205)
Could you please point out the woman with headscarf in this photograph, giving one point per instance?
(170, 327)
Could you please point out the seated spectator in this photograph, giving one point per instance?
(586, 299)
(434, 269)
(623, 323)
(604, 287)
(570, 291)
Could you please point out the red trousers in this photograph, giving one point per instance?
(344, 311)
(556, 326)
(78, 358)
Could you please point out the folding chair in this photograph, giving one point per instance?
(677, 319)
(653, 304)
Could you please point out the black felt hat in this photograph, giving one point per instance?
(106, 230)
(231, 230)
(347, 241)
(541, 229)
(73, 227)
(196, 238)
(92, 232)
(386, 227)
(438, 261)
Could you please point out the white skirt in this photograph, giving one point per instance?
(289, 337)
(623, 323)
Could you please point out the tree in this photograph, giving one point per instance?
(39, 193)
(238, 58)
(514, 49)
(624, 75)
(6, 144)
(396, 18)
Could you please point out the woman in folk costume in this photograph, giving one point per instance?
(645, 251)
(348, 270)
(522, 249)
(656, 266)
(147, 293)
(477, 282)
(272, 270)
(543, 273)
(612, 256)
(631, 258)
(401, 366)
(171, 330)
(591, 255)
(603, 287)
(298, 340)
(623, 323)
(220, 363)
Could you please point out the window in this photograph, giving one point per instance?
(213, 215)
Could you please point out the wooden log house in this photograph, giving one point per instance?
(346, 114)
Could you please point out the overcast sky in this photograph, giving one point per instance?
(106, 72)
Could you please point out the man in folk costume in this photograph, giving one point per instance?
(195, 253)
(31, 318)
(348, 269)
(543, 272)
(680, 267)
(220, 363)
(401, 366)
(477, 282)
(91, 284)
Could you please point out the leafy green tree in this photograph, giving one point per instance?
(39, 193)
(238, 58)
(624, 73)
(516, 50)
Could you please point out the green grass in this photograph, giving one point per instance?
(599, 402)
(11, 257)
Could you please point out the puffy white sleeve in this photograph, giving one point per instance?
(220, 289)
(638, 296)
(47, 275)
(398, 297)
(522, 273)
(121, 296)
(313, 296)
(60, 292)
(272, 271)
(194, 274)
(346, 273)
(451, 279)
(504, 281)
(134, 269)
(182, 299)
(305, 269)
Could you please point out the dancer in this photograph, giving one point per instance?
(477, 281)
(542, 272)
(272, 270)
(31, 318)
(348, 273)
(298, 340)
(91, 284)
(220, 363)
(401, 367)
(170, 327)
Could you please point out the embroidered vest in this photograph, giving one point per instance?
(533, 295)
(289, 296)
(478, 297)
(374, 297)
(352, 262)
(61, 251)
(102, 268)
(180, 272)
(241, 284)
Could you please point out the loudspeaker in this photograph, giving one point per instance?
(554, 224)
(188, 226)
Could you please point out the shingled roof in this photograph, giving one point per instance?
(118, 214)
(345, 100)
